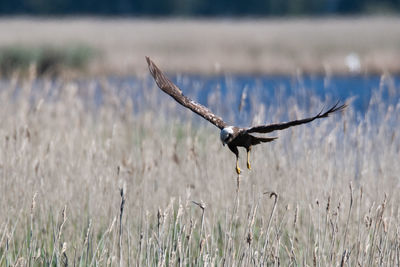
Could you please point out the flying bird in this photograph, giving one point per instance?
(232, 136)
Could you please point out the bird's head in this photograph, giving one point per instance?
(226, 134)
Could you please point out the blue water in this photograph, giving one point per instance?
(222, 94)
(274, 90)
(271, 89)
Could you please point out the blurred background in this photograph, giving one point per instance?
(335, 47)
(204, 8)
(203, 37)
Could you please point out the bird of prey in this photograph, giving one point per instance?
(232, 136)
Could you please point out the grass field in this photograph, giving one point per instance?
(92, 185)
(285, 46)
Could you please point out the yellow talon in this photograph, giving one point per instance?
(238, 170)
(237, 166)
(248, 160)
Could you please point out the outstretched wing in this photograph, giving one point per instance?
(170, 88)
(281, 126)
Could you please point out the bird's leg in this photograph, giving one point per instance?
(237, 165)
(236, 152)
(248, 159)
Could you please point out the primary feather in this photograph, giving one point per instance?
(281, 126)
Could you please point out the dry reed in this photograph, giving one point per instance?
(61, 147)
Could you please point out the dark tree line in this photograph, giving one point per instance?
(196, 7)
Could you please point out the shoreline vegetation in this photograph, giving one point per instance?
(44, 60)
(337, 45)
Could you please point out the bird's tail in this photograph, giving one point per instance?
(259, 140)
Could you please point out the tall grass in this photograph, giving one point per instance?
(87, 184)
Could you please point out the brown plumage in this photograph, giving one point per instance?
(233, 136)
(170, 88)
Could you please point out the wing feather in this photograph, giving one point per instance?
(171, 89)
(281, 126)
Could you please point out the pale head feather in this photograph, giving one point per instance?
(225, 134)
